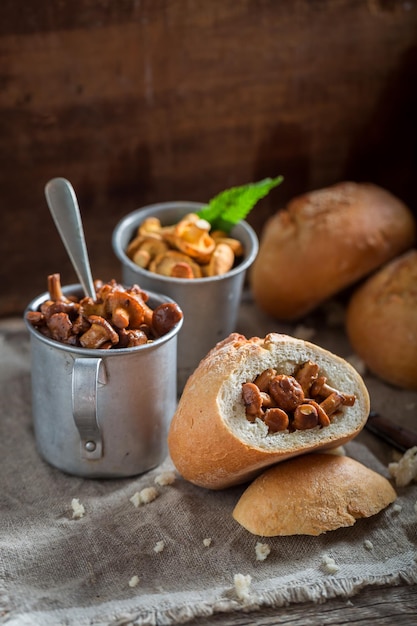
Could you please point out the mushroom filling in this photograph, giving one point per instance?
(298, 402)
(188, 249)
(117, 318)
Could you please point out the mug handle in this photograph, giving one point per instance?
(87, 376)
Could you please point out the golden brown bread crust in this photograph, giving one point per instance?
(311, 495)
(381, 321)
(325, 241)
(211, 442)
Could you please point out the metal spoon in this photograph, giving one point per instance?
(63, 206)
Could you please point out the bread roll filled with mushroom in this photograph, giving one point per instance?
(254, 402)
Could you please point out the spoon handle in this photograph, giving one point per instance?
(63, 206)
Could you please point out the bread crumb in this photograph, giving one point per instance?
(242, 586)
(397, 508)
(262, 550)
(405, 470)
(165, 478)
(368, 544)
(304, 332)
(146, 495)
(134, 581)
(159, 546)
(135, 499)
(207, 542)
(329, 564)
(78, 509)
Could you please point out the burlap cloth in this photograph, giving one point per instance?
(57, 570)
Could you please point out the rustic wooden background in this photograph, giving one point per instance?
(138, 102)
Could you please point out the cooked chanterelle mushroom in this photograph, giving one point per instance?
(127, 309)
(99, 334)
(144, 248)
(117, 318)
(185, 250)
(176, 264)
(221, 260)
(300, 401)
(192, 237)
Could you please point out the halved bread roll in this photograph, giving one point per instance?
(311, 495)
(324, 241)
(215, 444)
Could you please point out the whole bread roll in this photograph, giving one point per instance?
(311, 495)
(325, 241)
(381, 321)
(212, 441)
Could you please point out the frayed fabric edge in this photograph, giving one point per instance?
(227, 602)
(317, 593)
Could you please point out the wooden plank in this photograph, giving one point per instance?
(371, 607)
(144, 102)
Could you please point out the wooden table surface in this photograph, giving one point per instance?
(151, 101)
(382, 606)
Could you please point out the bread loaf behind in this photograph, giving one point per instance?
(381, 321)
(325, 241)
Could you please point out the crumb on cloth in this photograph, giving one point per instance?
(159, 546)
(78, 510)
(405, 470)
(329, 564)
(165, 478)
(262, 550)
(134, 581)
(242, 586)
(146, 495)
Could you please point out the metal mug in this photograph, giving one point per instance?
(210, 305)
(102, 413)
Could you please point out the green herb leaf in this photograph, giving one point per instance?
(232, 205)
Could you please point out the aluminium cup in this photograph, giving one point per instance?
(210, 305)
(102, 413)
